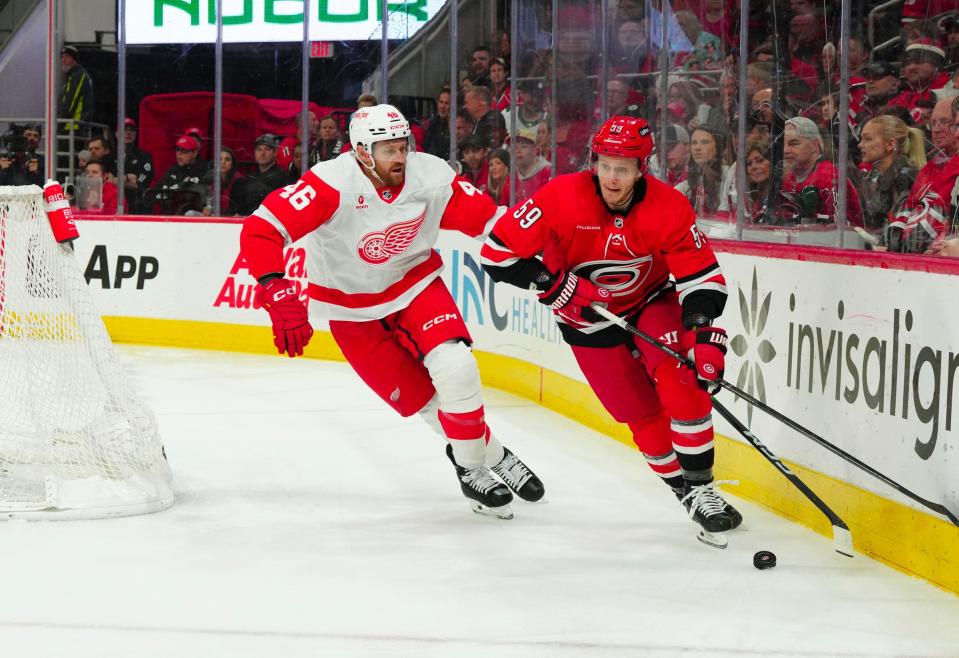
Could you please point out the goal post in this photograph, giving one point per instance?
(75, 439)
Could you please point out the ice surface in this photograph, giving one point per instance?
(311, 521)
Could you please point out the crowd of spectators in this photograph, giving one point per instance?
(903, 159)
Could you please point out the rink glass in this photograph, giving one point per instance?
(574, 49)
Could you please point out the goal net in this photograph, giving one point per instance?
(75, 440)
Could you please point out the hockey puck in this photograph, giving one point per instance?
(764, 560)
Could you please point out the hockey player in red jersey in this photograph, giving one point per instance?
(613, 236)
(370, 219)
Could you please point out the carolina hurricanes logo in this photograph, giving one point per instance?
(620, 277)
(378, 247)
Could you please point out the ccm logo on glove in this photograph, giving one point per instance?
(291, 323)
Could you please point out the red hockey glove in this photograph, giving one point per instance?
(570, 297)
(708, 355)
(291, 325)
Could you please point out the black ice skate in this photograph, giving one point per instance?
(518, 477)
(486, 495)
(707, 508)
(733, 513)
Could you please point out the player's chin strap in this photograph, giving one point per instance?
(371, 168)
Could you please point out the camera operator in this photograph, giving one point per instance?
(33, 161)
(10, 172)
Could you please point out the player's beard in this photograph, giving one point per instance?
(393, 174)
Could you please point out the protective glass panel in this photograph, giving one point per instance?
(262, 102)
(903, 66)
(529, 119)
(169, 127)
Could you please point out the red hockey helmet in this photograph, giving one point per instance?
(624, 137)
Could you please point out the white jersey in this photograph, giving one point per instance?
(369, 251)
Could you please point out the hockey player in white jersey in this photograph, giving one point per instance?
(370, 218)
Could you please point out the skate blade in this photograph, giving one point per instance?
(714, 539)
(504, 512)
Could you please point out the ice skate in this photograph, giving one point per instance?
(486, 495)
(707, 508)
(518, 477)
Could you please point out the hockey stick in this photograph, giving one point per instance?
(789, 422)
(842, 539)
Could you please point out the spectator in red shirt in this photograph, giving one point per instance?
(808, 188)
(532, 170)
(921, 72)
(500, 86)
(927, 216)
(104, 203)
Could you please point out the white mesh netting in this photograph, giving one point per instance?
(75, 440)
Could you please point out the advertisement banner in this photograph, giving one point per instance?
(270, 21)
(862, 356)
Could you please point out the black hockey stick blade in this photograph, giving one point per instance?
(789, 422)
(841, 537)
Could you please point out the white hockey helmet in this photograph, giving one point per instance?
(378, 124)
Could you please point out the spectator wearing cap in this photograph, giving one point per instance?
(499, 85)
(497, 184)
(531, 109)
(671, 162)
(532, 170)
(489, 124)
(197, 133)
(927, 216)
(436, 129)
(76, 96)
(808, 187)
(894, 153)
(473, 166)
(137, 170)
(706, 173)
(922, 73)
(267, 176)
(181, 191)
(881, 86)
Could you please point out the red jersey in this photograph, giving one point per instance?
(824, 178)
(928, 206)
(631, 254)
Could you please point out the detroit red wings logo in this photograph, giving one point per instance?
(378, 247)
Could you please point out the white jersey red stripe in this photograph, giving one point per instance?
(368, 255)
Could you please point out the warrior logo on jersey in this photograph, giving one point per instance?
(378, 247)
(620, 277)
